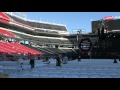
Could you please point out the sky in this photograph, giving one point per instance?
(72, 20)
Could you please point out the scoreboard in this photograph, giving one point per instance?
(111, 24)
(85, 45)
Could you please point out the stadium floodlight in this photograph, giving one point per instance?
(80, 31)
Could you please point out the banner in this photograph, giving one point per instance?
(109, 18)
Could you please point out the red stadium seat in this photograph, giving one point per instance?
(7, 33)
(4, 18)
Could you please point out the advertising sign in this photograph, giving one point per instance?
(109, 18)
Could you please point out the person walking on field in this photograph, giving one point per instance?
(32, 62)
(89, 54)
(20, 62)
(79, 58)
(65, 59)
(58, 61)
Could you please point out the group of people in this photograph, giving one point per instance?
(31, 62)
(60, 59)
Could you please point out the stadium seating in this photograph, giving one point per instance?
(38, 24)
(46, 34)
(10, 47)
(4, 18)
(7, 33)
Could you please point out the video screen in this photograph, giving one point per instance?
(111, 24)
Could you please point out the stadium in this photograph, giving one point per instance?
(24, 37)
